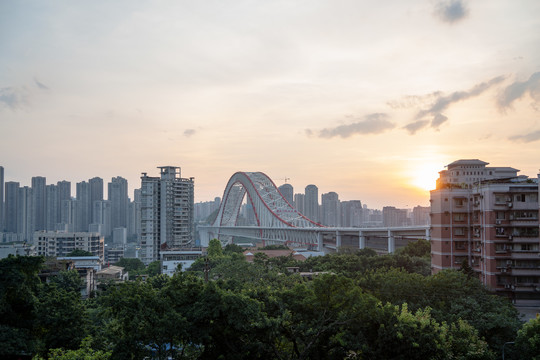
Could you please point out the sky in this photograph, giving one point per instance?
(366, 99)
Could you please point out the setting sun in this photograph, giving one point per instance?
(426, 176)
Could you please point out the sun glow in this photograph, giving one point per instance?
(425, 176)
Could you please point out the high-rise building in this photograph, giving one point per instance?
(51, 211)
(287, 191)
(204, 209)
(95, 194)
(351, 213)
(10, 206)
(311, 203)
(64, 194)
(167, 212)
(1, 199)
(82, 207)
(39, 193)
(330, 209)
(26, 213)
(487, 218)
(118, 196)
(69, 214)
(299, 203)
(101, 214)
(395, 217)
(420, 215)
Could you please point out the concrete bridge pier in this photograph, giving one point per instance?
(391, 242)
(361, 240)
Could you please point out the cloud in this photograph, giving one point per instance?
(441, 102)
(189, 132)
(437, 121)
(413, 127)
(518, 89)
(371, 124)
(451, 11)
(410, 101)
(534, 136)
(41, 86)
(13, 98)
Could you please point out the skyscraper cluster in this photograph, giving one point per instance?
(336, 213)
(51, 207)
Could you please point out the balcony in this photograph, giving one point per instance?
(525, 271)
(525, 222)
(525, 254)
(523, 239)
(523, 205)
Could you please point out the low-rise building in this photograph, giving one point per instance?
(170, 259)
(87, 267)
(61, 243)
(115, 273)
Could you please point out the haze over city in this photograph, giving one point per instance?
(367, 100)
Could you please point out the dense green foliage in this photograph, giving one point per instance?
(79, 252)
(364, 307)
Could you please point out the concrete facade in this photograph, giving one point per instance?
(491, 224)
(167, 213)
(59, 244)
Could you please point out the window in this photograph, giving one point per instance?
(519, 198)
(500, 199)
(458, 202)
(459, 217)
(459, 231)
(500, 215)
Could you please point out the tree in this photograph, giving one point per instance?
(68, 280)
(467, 269)
(61, 318)
(527, 343)
(19, 284)
(154, 268)
(130, 264)
(79, 252)
(232, 249)
(214, 249)
(85, 352)
(417, 335)
(419, 248)
(143, 322)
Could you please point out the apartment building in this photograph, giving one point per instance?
(488, 219)
(167, 213)
(60, 243)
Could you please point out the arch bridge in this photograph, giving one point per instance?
(278, 222)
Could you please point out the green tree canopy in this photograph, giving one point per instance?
(130, 264)
(214, 249)
(527, 343)
(79, 252)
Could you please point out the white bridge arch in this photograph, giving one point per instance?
(277, 221)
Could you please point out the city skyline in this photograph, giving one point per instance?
(368, 101)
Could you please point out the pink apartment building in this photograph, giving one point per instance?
(488, 217)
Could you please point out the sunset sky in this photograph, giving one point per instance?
(367, 99)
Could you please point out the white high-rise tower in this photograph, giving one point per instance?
(167, 212)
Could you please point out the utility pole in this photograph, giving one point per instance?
(206, 269)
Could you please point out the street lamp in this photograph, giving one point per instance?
(509, 342)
